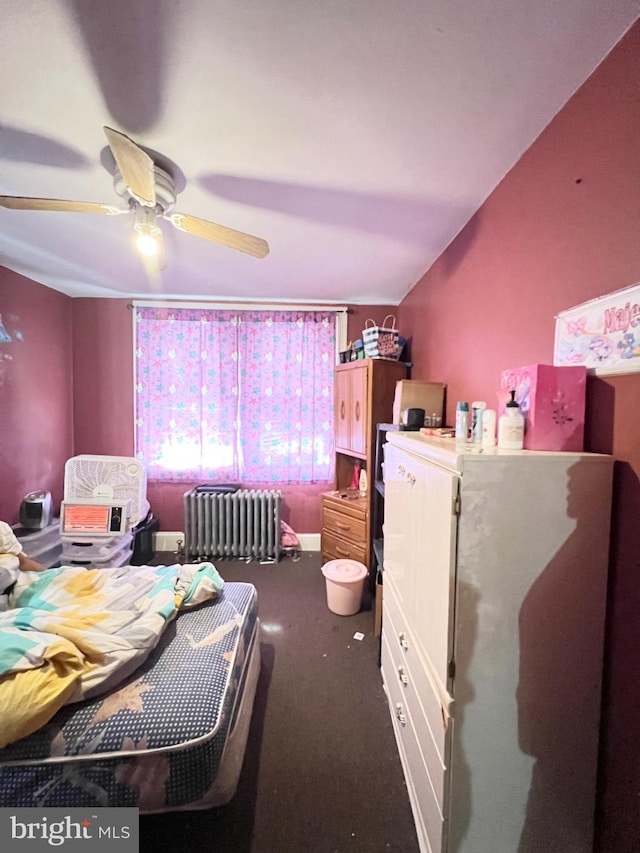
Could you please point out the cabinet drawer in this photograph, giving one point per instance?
(427, 815)
(396, 669)
(345, 526)
(436, 702)
(336, 548)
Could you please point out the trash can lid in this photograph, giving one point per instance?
(344, 571)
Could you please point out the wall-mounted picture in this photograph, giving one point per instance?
(602, 334)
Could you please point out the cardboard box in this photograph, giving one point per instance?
(414, 393)
(552, 400)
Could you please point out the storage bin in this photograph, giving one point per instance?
(86, 550)
(36, 542)
(44, 546)
(345, 582)
(51, 557)
(121, 557)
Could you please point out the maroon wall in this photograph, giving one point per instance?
(36, 435)
(562, 228)
(359, 314)
(103, 376)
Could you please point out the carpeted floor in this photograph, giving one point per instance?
(321, 772)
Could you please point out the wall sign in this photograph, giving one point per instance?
(603, 334)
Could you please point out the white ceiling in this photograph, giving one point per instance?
(356, 136)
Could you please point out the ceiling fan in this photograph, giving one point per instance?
(150, 194)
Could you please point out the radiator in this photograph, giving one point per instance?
(244, 524)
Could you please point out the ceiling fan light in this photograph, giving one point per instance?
(148, 231)
(147, 244)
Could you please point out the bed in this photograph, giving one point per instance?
(170, 736)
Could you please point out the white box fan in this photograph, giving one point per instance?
(104, 499)
(121, 479)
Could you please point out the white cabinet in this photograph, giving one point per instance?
(495, 576)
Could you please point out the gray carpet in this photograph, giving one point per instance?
(321, 772)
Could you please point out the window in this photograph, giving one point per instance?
(234, 396)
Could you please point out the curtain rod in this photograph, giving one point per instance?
(235, 306)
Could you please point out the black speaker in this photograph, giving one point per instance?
(143, 550)
(411, 419)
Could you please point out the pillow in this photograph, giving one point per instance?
(9, 563)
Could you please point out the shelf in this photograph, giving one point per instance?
(377, 551)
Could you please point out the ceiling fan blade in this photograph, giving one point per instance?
(134, 164)
(220, 234)
(25, 203)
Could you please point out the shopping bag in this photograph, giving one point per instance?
(381, 341)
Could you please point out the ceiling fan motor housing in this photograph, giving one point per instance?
(164, 191)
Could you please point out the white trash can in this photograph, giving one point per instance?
(345, 582)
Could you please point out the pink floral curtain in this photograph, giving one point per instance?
(235, 396)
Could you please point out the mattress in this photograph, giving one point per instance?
(170, 737)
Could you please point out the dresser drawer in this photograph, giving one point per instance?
(336, 548)
(426, 811)
(405, 684)
(345, 526)
(436, 702)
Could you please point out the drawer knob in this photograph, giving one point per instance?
(402, 639)
(402, 675)
(400, 715)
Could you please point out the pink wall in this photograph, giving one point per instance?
(562, 228)
(36, 434)
(103, 404)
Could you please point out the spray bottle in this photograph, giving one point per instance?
(462, 421)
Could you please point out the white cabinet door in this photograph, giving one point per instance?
(419, 550)
(397, 541)
(431, 509)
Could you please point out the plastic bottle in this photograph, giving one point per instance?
(363, 483)
(489, 418)
(477, 408)
(511, 426)
(355, 480)
(462, 421)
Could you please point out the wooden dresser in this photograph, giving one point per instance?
(364, 392)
